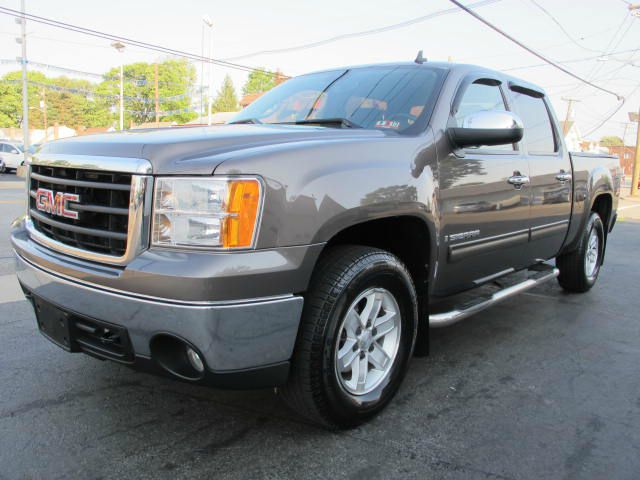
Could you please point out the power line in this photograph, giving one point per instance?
(574, 60)
(608, 117)
(561, 27)
(533, 52)
(373, 31)
(129, 41)
(554, 45)
(92, 93)
(610, 47)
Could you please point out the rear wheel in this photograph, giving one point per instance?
(579, 269)
(356, 338)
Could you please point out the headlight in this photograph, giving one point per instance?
(206, 212)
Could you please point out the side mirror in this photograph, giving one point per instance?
(487, 128)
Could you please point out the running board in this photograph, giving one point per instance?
(541, 274)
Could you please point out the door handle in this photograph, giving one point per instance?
(518, 180)
(563, 177)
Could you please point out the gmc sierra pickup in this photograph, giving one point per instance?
(311, 243)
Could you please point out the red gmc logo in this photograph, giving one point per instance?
(56, 203)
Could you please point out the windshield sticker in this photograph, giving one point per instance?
(388, 124)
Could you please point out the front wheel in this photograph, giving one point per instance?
(579, 269)
(356, 338)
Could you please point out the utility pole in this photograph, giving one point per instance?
(624, 134)
(155, 74)
(25, 94)
(636, 164)
(565, 127)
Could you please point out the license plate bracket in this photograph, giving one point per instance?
(54, 324)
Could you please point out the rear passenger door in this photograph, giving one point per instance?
(485, 218)
(549, 171)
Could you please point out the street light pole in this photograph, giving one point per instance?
(121, 95)
(120, 48)
(207, 20)
(202, 74)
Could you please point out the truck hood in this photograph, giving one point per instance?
(198, 150)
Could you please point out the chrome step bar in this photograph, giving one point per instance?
(445, 319)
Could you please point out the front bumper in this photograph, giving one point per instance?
(244, 343)
(232, 338)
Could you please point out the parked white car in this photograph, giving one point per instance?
(12, 154)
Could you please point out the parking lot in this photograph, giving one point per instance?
(545, 385)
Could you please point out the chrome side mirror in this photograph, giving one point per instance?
(487, 128)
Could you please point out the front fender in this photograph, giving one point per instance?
(315, 190)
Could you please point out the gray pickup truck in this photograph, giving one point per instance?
(311, 243)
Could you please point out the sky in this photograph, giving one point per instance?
(592, 28)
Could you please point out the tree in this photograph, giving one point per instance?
(68, 101)
(175, 83)
(611, 141)
(259, 81)
(226, 100)
(11, 97)
(77, 103)
(11, 103)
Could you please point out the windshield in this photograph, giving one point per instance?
(395, 98)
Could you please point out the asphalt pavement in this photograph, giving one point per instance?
(543, 386)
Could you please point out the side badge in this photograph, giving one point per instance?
(462, 236)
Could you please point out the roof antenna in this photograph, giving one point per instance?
(420, 58)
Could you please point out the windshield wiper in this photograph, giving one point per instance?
(340, 122)
(255, 121)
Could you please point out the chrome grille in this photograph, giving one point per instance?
(103, 209)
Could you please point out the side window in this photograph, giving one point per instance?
(538, 132)
(4, 148)
(480, 97)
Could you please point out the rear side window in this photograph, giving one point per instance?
(538, 132)
(481, 97)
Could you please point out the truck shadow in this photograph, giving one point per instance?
(193, 421)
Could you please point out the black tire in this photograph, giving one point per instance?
(574, 276)
(313, 388)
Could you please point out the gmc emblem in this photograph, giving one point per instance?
(56, 203)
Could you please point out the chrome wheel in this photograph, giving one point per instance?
(592, 254)
(368, 341)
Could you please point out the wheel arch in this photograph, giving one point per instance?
(408, 237)
(603, 205)
(413, 240)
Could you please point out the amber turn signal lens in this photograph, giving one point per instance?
(243, 203)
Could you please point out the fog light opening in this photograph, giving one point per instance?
(177, 357)
(195, 360)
